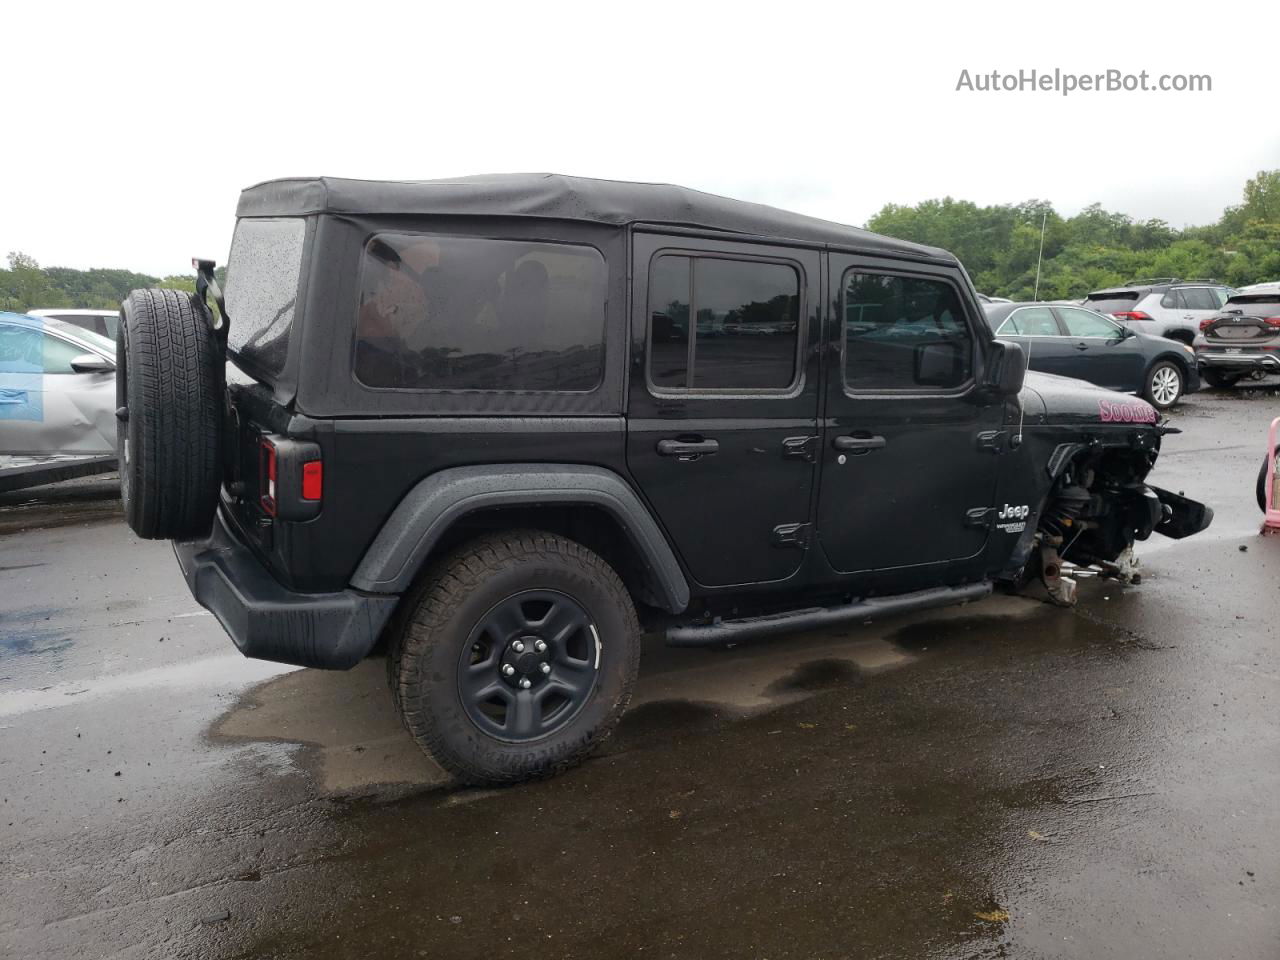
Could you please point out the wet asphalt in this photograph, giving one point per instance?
(1005, 779)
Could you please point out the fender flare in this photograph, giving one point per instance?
(435, 503)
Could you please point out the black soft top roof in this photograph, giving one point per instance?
(557, 197)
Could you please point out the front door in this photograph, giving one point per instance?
(910, 442)
(1108, 357)
(722, 428)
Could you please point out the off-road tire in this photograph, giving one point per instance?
(1262, 483)
(1149, 391)
(1216, 378)
(169, 391)
(448, 602)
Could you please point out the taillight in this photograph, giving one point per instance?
(267, 477)
(1271, 321)
(1204, 324)
(312, 480)
(1131, 315)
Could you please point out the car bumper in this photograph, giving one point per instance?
(1239, 362)
(267, 621)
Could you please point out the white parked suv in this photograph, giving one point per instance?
(1162, 306)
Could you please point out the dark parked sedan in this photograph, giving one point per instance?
(1075, 342)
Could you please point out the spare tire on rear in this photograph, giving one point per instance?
(169, 395)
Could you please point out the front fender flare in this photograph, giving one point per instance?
(435, 503)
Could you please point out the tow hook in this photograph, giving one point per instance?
(1062, 590)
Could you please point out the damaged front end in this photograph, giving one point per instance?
(1099, 505)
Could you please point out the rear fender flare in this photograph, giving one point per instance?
(427, 512)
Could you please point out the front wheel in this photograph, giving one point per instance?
(1165, 382)
(517, 657)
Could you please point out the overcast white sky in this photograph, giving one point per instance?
(127, 143)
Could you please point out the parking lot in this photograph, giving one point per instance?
(1003, 779)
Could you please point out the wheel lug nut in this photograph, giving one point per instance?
(539, 646)
(518, 647)
(508, 670)
(546, 668)
(525, 683)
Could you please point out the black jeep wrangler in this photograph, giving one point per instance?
(505, 424)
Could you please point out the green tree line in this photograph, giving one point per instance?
(1096, 248)
(28, 286)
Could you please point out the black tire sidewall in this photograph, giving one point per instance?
(1151, 374)
(451, 736)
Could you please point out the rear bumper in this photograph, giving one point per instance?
(1239, 362)
(334, 631)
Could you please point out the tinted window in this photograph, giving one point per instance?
(28, 350)
(262, 288)
(1030, 322)
(1199, 298)
(1085, 323)
(745, 329)
(1112, 302)
(464, 313)
(1255, 304)
(903, 333)
(669, 323)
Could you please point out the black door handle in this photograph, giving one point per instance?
(858, 444)
(1082, 346)
(686, 448)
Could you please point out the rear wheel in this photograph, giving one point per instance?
(1165, 382)
(1262, 483)
(1216, 378)
(517, 657)
(169, 386)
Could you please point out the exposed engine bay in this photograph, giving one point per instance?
(1098, 507)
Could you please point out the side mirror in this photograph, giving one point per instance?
(939, 365)
(92, 363)
(1006, 368)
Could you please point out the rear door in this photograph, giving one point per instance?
(1194, 304)
(909, 446)
(722, 411)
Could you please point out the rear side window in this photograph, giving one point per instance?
(1122, 302)
(466, 313)
(903, 333)
(1199, 298)
(745, 329)
(262, 289)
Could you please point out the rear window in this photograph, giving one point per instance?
(262, 289)
(466, 313)
(1255, 304)
(1113, 301)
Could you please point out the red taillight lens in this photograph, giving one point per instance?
(1271, 321)
(267, 478)
(1204, 324)
(1131, 315)
(312, 480)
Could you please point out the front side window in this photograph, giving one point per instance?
(467, 313)
(1086, 323)
(28, 350)
(903, 333)
(745, 324)
(1030, 322)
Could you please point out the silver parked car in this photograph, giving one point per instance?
(57, 388)
(1162, 306)
(104, 322)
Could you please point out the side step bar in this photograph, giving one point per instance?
(722, 632)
